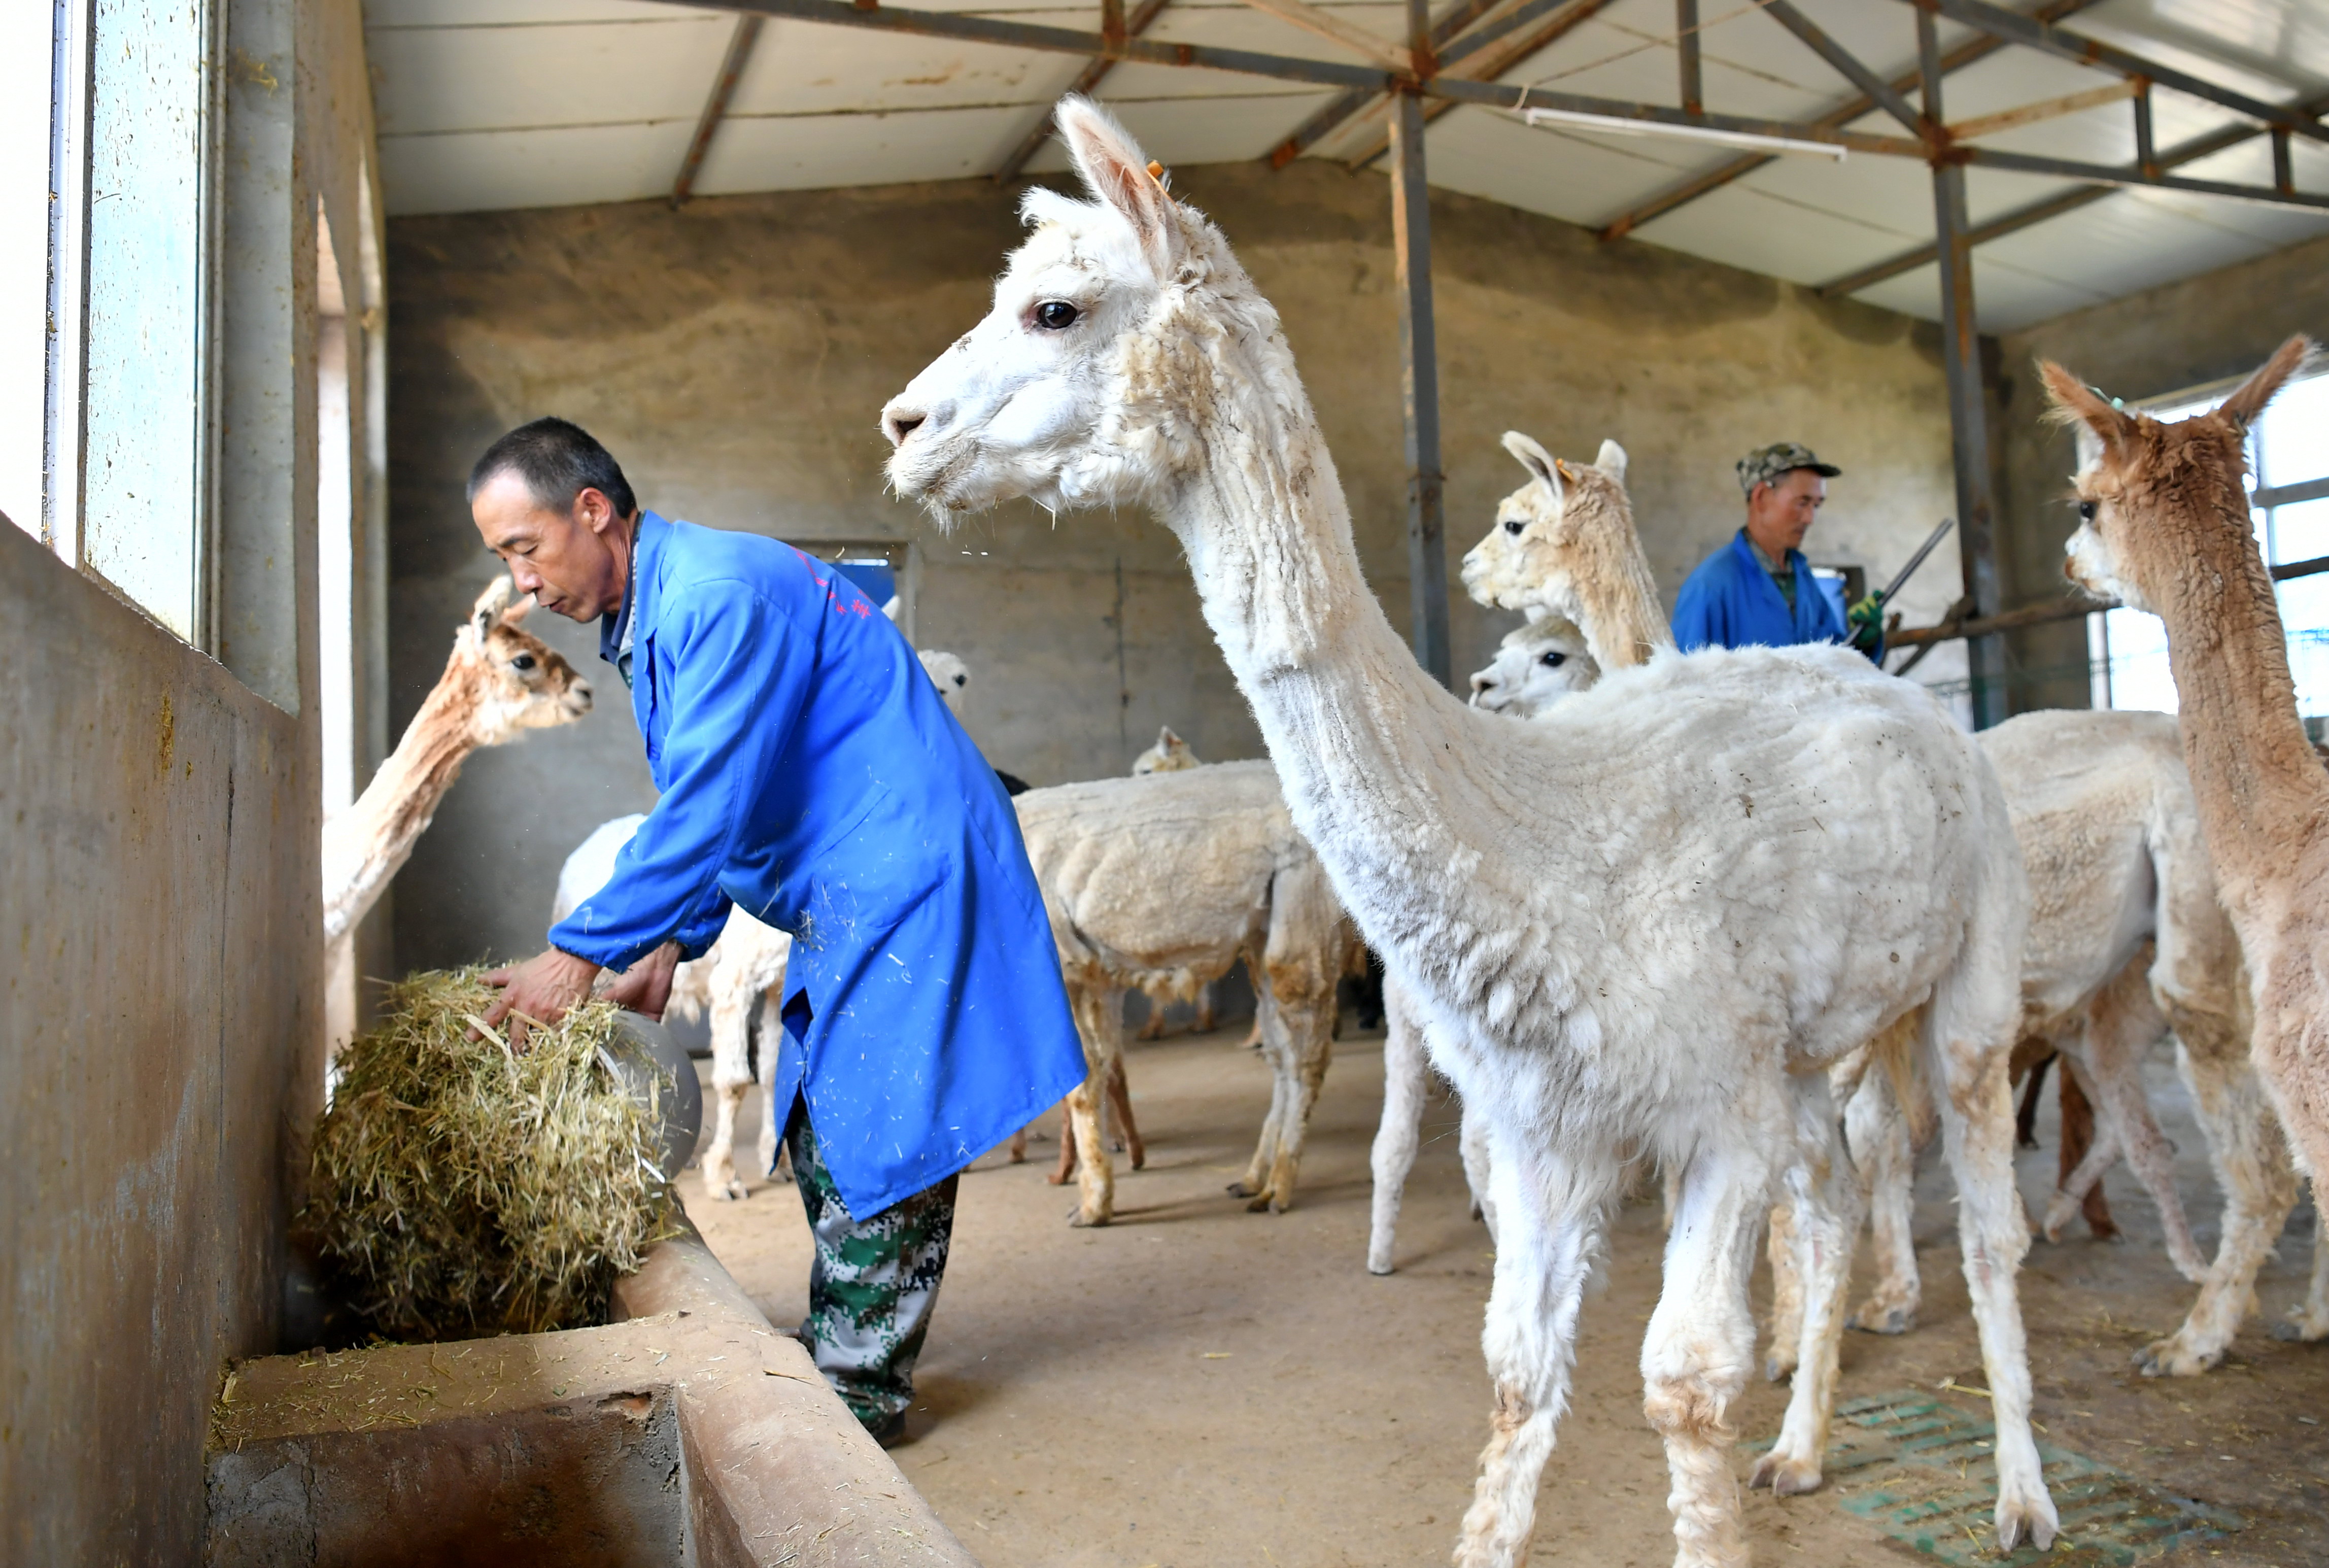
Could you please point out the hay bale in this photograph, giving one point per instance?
(459, 1188)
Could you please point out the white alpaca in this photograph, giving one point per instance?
(2103, 811)
(950, 674)
(1170, 754)
(1160, 884)
(1644, 920)
(1535, 667)
(738, 981)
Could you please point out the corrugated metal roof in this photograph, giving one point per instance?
(491, 104)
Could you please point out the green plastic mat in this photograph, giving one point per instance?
(1925, 1473)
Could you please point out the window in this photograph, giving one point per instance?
(2288, 467)
(109, 123)
(882, 570)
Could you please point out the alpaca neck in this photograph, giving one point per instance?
(1378, 762)
(367, 845)
(2253, 773)
(1624, 624)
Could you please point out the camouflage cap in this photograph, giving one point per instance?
(1769, 465)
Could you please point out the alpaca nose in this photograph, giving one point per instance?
(1481, 685)
(579, 691)
(902, 419)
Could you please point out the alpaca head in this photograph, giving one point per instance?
(1551, 532)
(1105, 329)
(1170, 754)
(1535, 668)
(507, 679)
(2150, 494)
(950, 674)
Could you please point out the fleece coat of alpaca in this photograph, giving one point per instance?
(1159, 885)
(1644, 921)
(2165, 526)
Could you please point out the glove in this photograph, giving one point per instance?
(1865, 622)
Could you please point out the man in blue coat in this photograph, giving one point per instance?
(1758, 590)
(809, 773)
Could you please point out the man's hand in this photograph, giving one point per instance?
(1865, 622)
(645, 986)
(541, 988)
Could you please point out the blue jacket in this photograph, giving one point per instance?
(1730, 602)
(809, 772)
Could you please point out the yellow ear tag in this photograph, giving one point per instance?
(1155, 170)
(1563, 469)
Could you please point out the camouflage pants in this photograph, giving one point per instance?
(874, 1285)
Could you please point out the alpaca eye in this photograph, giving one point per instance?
(523, 662)
(1513, 525)
(2086, 511)
(1554, 660)
(1056, 315)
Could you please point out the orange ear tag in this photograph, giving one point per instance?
(1155, 170)
(1563, 469)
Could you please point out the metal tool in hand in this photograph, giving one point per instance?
(1867, 617)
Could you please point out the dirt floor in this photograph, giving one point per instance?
(1199, 1386)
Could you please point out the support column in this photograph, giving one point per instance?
(1968, 412)
(1419, 381)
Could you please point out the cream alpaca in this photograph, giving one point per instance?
(1669, 1010)
(1159, 885)
(499, 682)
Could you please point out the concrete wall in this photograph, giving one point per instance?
(2207, 329)
(734, 356)
(161, 1027)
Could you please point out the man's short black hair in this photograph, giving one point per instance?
(558, 459)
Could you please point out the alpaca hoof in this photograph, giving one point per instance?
(1895, 1318)
(2171, 1357)
(1476, 1211)
(1238, 1189)
(2026, 1517)
(1261, 1202)
(1139, 1159)
(1082, 1219)
(1784, 1474)
(1053, 1178)
(2298, 1329)
(1382, 1266)
(1778, 1368)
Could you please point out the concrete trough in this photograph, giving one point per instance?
(689, 1431)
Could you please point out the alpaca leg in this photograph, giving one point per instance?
(2079, 1136)
(2310, 1321)
(2025, 1120)
(1064, 1172)
(769, 1020)
(731, 1076)
(2124, 1021)
(1701, 1339)
(1828, 1195)
(1787, 1294)
(1204, 1010)
(1551, 1211)
(2259, 1187)
(1018, 1147)
(1271, 1029)
(1472, 1140)
(1876, 1131)
(2102, 1153)
(1120, 1103)
(1100, 1021)
(1669, 1194)
(1307, 1044)
(1967, 1051)
(1405, 1078)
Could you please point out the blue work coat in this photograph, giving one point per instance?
(809, 773)
(1730, 602)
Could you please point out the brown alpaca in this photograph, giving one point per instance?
(2165, 526)
(499, 682)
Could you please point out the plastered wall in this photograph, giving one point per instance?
(734, 356)
(2204, 330)
(161, 1029)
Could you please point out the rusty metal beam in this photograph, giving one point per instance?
(1844, 63)
(1691, 189)
(2022, 218)
(969, 29)
(2014, 28)
(1691, 77)
(1968, 405)
(1087, 80)
(1418, 365)
(724, 88)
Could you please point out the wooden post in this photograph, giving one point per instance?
(1968, 414)
(1419, 382)
(1693, 90)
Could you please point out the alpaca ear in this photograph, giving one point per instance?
(1116, 172)
(895, 608)
(1611, 460)
(1535, 459)
(2078, 405)
(491, 603)
(1166, 737)
(2244, 405)
(518, 611)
